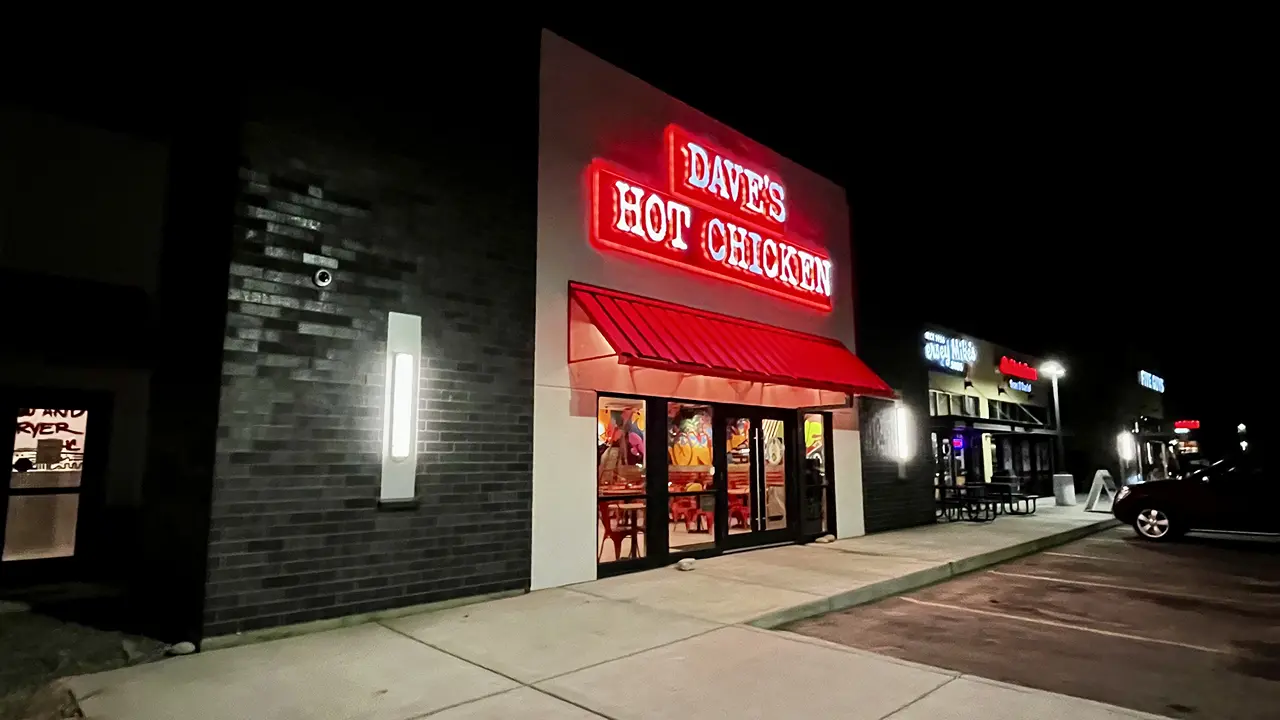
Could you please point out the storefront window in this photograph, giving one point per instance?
(44, 484)
(620, 480)
(690, 477)
(815, 471)
(998, 410)
(942, 401)
(970, 406)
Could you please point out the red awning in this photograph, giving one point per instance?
(664, 336)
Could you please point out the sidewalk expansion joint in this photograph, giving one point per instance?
(913, 702)
(533, 685)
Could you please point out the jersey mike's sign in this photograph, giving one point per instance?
(717, 216)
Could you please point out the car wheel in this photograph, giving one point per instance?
(1154, 524)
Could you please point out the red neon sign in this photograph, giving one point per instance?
(717, 217)
(1186, 424)
(1013, 368)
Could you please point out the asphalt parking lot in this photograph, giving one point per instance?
(1185, 630)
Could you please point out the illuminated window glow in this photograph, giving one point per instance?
(1125, 446)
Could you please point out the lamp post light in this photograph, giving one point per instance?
(1054, 370)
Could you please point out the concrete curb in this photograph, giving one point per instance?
(928, 576)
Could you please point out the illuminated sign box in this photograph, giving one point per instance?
(1151, 382)
(717, 217)
(948, 352)
(1021, 385)
(1020, 370)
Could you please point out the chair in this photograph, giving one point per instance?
(739, 511)
(616, 530)
(680, 507)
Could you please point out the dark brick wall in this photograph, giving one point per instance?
(410, 215)
(888, 340)
(891, 498)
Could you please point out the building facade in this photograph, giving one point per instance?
(390, 355)
(990, 413)
(709, 371)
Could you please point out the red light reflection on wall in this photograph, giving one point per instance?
(1013, 368)
(719, 218)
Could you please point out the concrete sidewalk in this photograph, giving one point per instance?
(770, 587)
(658, 644)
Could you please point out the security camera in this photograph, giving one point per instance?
(322, 278)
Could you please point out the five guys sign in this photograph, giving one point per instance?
(717, 217)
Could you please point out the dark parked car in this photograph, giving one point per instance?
(1232, 496)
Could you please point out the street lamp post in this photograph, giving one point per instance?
(1054, 370)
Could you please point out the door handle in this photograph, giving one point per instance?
(759, 479)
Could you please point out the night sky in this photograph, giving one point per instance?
(1116, 176)
(1114, 182)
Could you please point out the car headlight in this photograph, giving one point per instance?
(1124, 493)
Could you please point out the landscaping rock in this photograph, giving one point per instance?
(182, 648)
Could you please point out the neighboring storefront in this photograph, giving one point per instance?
(1146, 446)
(990, 413)
(694, 376)
(1187, 441)
(976, 411)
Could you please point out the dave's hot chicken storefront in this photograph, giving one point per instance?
(694, 375)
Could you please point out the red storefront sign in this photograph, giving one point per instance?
(1186, 424)
(717, 217)
(1013, 368)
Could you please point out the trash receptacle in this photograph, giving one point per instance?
(1064, 489)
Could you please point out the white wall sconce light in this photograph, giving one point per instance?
(400, 408)
(1125, 446)
(902, 418)
(902, 434)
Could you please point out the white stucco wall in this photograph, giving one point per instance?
(590, 109)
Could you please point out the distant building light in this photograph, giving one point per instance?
(1151, 382)
(1124, 445)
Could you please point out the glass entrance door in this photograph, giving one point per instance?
(682, 478)
(759, 471)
